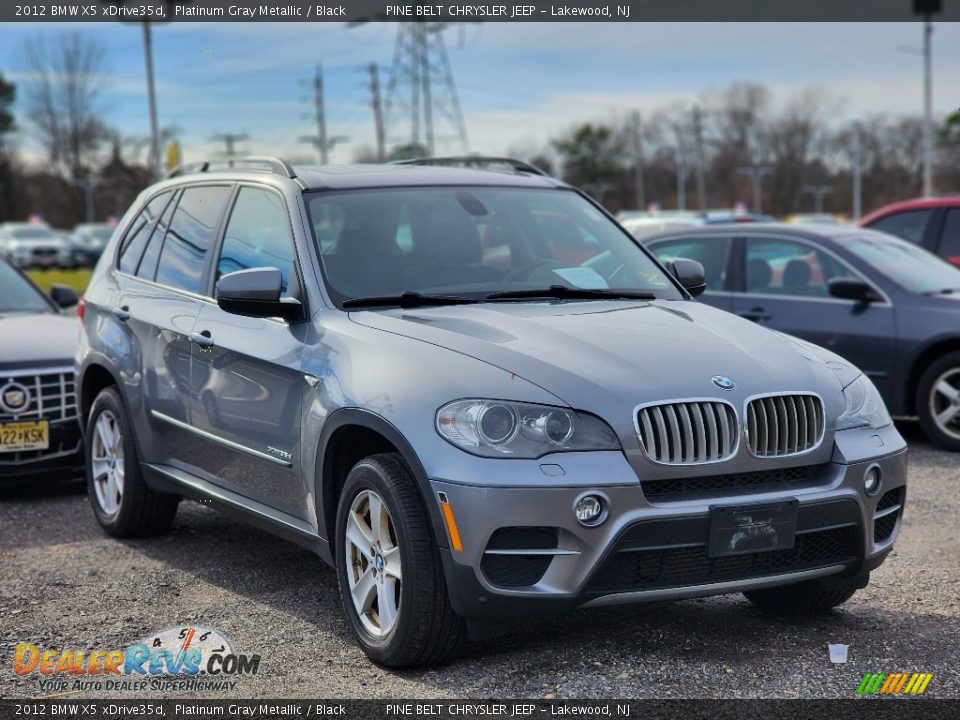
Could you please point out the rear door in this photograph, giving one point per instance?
(785, 287)
(713, 252)
(246, 387)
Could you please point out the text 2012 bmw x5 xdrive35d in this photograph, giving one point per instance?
(473, 393)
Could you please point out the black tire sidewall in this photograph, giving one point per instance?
(367, 475)
(922, 401)
(109, 399)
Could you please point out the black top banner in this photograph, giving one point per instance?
(479, 11)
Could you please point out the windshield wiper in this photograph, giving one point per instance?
(407, 300)
(564, 292)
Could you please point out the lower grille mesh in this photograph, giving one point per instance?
(699, 487)
(651, 569)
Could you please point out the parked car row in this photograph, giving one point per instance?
(36, 245)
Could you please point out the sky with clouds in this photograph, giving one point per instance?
(519, 83)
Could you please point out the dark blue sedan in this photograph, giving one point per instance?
(886, 305)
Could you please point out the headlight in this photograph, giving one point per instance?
(494, 428)
(864, 408)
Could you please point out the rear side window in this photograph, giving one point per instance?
(139, 232)
(909, 224)
(148, 265)
(258, 235)
(192, 231)
(950, 240)
(709, 252)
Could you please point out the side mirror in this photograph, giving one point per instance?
(63, 296)
(690, 274)
(256, 293)
(851, 288)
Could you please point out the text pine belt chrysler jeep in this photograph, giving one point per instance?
(476, 395)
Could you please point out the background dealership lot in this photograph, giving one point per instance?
(64, 584)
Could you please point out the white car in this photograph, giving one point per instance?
(34, 245)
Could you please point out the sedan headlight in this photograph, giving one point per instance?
(495, 428)
(864, 406)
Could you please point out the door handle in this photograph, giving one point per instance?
(756, 314)
(121, 313)
(202, 339)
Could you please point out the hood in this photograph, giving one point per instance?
(35, 340)
(608, 357)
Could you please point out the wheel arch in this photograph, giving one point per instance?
(926, 357)
(349, 435)
(94, 379)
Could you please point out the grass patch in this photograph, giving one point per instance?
(76, 279)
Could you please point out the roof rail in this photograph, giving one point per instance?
(475, 161)
(273, 165)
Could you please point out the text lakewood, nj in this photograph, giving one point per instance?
(507, 11)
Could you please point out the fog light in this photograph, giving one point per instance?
(589, 510)
(871, 480)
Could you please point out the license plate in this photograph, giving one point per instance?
(743, 529)
(24, 436)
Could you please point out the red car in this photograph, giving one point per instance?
(933, 223)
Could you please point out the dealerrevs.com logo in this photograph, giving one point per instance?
(175, 659)
(902, 683)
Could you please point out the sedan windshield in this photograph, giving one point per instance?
(474, 242)
(908, 265)
(31, 233)
(17, 295)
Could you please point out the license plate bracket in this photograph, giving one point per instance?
(758, 527)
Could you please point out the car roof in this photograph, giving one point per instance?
(937, 201)
(352, 177)
(836, 233)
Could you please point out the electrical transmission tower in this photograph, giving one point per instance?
(422, 89)
(321, 141)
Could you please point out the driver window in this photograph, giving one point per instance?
(783, 267)
(258, 235)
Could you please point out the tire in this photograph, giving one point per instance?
(810, 596)
(424, 629)
(934, 398)
(122, 502)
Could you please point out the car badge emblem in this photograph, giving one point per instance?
(14, 398)
(723, 382)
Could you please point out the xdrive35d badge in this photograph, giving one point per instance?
(491, 401)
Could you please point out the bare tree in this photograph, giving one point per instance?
(62, 99)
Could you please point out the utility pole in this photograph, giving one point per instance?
(818, 192)
(856, 153)
(638, 160)
(756, 173)
(701, 162)
(229, 141)
(680, 157)
(376, 104)
(927, 8)
(152, 102)
(88, 185)
(321, 141)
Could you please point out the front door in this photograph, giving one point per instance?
(246, 384)
(786, 289)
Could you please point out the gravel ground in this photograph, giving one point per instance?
(64, 584)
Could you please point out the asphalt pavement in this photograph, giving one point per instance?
(66, 585)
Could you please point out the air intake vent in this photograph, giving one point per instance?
(688, 433)
(780, 425)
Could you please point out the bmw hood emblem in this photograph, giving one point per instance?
(723, 382)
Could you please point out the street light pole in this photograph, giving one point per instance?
(857, 172)
(927, 106)
(152, 100)
(756, 173)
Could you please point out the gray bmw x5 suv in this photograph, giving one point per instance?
(475, 395)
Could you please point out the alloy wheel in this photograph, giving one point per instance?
(945, 402)
(373, 563)
(107, 464)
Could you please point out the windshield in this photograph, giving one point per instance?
(17, 295)
(911, 267)
(474, 241)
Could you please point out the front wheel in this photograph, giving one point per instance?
(388, 567)
(938, 401)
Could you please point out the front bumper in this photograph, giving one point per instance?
(654, 548)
